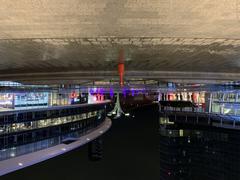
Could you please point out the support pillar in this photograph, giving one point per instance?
(117, 110)
(95, 149)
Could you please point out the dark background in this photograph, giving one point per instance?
(130, 152)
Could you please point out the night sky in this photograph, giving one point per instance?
(130, 153)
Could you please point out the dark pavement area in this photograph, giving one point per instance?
(130, 153)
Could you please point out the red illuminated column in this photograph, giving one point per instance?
(121, 73)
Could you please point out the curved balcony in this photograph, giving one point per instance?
(190, 114)
(32, 136)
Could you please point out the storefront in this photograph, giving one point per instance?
(6, 101)
(225, 103)
(30, 100)
(23, 100)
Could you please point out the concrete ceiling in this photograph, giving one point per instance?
(73, 40)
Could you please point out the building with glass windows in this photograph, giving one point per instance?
(200, 143)
(198, 152)
(33, 126)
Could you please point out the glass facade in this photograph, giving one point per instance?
(225, 103)
(23, 100)
(30, 125)
(222, 102)
(41, 128)
(195, 152)
(41, 99)
(196, 98)
(6, 101)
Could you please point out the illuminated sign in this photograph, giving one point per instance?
(31, 99)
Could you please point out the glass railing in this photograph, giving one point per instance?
(39, 140)
(43, 123)
(40, 145)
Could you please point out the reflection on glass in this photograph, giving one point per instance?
(195, 152)
(17, 127)
(16, 144)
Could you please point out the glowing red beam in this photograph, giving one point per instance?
(121, 67)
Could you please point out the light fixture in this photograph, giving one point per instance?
(127, 114)
(20, 164)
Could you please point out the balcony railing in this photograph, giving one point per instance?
(199, 116)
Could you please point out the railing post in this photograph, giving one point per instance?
(208, 119)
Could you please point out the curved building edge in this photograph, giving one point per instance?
(13, 164)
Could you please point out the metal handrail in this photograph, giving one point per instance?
(220, 117)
